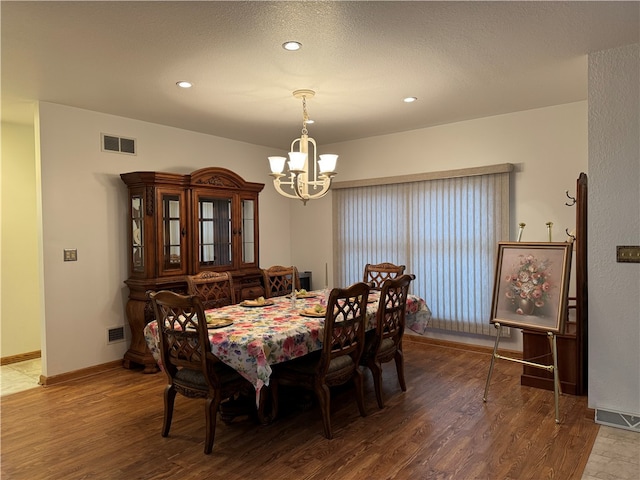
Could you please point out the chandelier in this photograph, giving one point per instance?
(302, 183)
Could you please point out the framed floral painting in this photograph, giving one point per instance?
(531, 286)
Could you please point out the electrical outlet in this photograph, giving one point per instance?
(70, 255)
(628, 254)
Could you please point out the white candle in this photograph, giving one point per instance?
(522, 225)
(326, 274)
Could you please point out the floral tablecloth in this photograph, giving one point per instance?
(262, 336)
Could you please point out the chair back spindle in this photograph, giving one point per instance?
(279, 280)
(376, 274)
(215, 289)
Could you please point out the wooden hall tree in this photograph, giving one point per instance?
(572, 345)
(181, 225)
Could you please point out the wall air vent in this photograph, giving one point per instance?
(115, 335)
(113, 143)
(628, 421)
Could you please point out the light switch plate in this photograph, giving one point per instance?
(628, 253)
(70, 255)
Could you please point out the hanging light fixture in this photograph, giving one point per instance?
(302, 183)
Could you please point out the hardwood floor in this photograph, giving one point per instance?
(108, 427)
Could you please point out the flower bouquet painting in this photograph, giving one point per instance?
(531, 285)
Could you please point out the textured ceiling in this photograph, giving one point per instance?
(462, 60)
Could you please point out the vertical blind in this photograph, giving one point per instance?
(445, 230)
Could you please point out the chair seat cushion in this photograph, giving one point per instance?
(386, 345)
(340, 363)
(193, 379)
(387, 348)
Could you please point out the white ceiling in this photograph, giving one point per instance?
(462, 60)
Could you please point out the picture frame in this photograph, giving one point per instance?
(531, 285)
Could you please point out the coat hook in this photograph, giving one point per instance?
(573, 199)
(570, 235)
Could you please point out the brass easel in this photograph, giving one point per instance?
(554, 351)
(550, 368)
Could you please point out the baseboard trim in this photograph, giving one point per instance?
(21, 357)
(76, 374)
(459, 346)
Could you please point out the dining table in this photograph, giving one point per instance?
(257, 335)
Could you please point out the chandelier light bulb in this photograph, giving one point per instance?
(277, 164)
(296, 161)
(327, 163)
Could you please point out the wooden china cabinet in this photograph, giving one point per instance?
(180, 225)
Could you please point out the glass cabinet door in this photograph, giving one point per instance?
(248, 231)
(173, 233)
(215, 229)
(137, 234)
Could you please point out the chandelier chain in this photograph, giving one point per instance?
(305, 116)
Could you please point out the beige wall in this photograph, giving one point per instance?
(20, 296)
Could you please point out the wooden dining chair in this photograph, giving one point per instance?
(191, 369)
(376, 274)
(279, 281)
(337, 362)
(385, 342)
(215, 289)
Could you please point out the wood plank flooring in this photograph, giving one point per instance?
(108, 427)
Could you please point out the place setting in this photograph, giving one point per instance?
(216, 321)
(302, 293)
(257, 303)
(316, 311)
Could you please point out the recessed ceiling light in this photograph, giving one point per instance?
(184, 84)
(409, 99)
(292, 46)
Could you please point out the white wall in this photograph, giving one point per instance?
(84, 207)
(548, 147)
(21, 314)
(614, 203)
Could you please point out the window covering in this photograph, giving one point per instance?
(444, 228)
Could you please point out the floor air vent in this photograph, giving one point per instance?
(617, 419)
(112, 143)
(115, 334)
